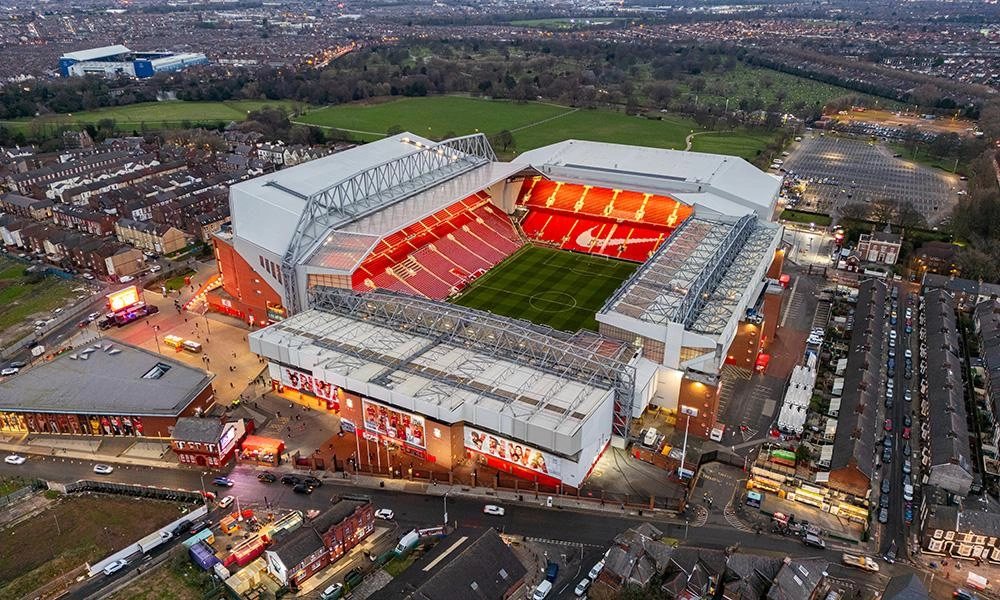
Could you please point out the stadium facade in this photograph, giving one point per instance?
(350, 260)
(118, 60)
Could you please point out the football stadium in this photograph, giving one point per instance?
(521, 314)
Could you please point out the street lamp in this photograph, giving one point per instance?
(157, 340)
(445, 499)
(204, 496)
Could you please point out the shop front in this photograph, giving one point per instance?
(261, 450)
(76, 424)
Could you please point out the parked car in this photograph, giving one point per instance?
(10, 371)
(385, 513)
(267, 477)
(155, 269)
(291, 480)
(596, 570)
(814, 541)
(960, 594)
(302, 488)
(18, 364)
(15, 459)
(883, 516)
(493, 509)
(311, 481)
(886, 485)
(199, 526)
(226, 502)
(114, 567)
(103, 469)
(887, 425)
(883, 501)
(907, 468)
(223, 482)
(333, 592)
(551, 571)
(581, 588)
(126, 278)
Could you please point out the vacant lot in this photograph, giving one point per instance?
(176, 579)
(76, 530)
(23, 298)
(558, 288)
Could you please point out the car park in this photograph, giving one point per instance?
(103, 469)
(493, 509)
(385, 514)
(15, 459)
(226, 502)
(223, 482)
(267, 477)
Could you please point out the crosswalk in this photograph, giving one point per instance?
(733, 520)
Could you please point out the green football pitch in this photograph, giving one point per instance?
(551, 287)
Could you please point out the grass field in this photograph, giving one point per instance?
(743, 144)
(88, 529)
(157, 114)
(433, 116)
(176, 579)
(560, 289)
(21, 300)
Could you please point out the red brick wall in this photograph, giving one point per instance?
(250, 292)
(703, 397)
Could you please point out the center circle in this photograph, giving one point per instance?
(552, 301)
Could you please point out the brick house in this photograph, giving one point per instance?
(157, 237)
(206, 441)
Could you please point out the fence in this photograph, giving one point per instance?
(125, 489)
(22, 493)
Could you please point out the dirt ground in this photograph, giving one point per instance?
(162, 583)
(74, 530)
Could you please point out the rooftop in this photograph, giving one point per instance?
(106, 378)
(469, 563)
(699, 276)
(453, 363)
(726, 185)
(198, 429)
(95, 53)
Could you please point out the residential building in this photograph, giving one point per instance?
(852, 463)
(986, 319)
(124, 261)
(935, 257)
(156, 237)
(470, 563)
(905, 587)
(22, 206)
(879, 247)
(206, 441)
(84, 219)
(296, 557)
(942, 395)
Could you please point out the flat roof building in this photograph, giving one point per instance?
(105, 388)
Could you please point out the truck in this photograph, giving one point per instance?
(153, 540)
(862, 562)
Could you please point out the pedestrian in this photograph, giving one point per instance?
(185, 318)
(206, 340)
(231, 384)
(196, 325)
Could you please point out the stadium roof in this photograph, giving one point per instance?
(265, 210)
(346, 247)
(699, 276)
(453, 363)
(95, 53)
(727, 185)
(106, 378)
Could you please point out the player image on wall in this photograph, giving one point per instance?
(512, 452)
(394, 423)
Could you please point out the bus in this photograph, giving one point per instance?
(175, 342)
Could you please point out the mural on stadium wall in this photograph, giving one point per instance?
(313, 386)
(394, 423)
(513, 452)
(113, 425)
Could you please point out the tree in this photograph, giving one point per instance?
(853, 210)
(908, 217)
(394, 130)
(504, 139)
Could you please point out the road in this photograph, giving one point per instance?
(573, 532)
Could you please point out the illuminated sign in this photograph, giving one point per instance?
(123, 298)
(513, 452)
(394, 423)
(311, 385)
(227, 440)
(276, 312)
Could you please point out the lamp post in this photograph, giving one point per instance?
(157, 340)
(204, 496)
(445, 499)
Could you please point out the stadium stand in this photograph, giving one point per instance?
(618, 223)
(441, 253)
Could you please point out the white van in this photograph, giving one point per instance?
(542, 590)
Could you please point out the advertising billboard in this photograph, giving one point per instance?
(123, 298)
(311, 385)
(513, 452)
(394, 423)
